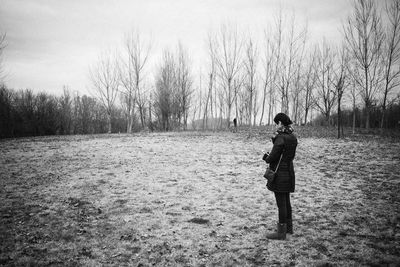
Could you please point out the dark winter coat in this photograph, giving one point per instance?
(284, 142)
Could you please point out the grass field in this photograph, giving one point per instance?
(194, 199)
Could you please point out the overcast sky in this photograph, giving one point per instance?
(52, 43)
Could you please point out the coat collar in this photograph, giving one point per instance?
(281, 130)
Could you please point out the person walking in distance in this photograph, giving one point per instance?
(282, 154)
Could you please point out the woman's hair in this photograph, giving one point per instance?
(282, 117)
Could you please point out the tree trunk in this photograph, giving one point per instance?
(305, 116)
(367, 117)
(271, 103)
(383, 119)
(354, 120)
(339, 119)
(129, 124)
(130, 120)
(205, 115)
(143, 117)
(263, 104)
(383, 111)
(109, 122)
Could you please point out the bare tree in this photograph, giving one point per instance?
(297, 91)
(273, 60)
(184, 83)
(164, 93)
(250, 67)
(208, 106)
(227, 52)
(298, 87)
(364, 38)
(391, 56)
(271, 52)
(105, 81)
(310, 81)
(341, 84)
(288, 63)
(241, 100)
(211, 99)
(132, 74)
(326, 94)
(65, 103)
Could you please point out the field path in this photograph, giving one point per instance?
(194, 199)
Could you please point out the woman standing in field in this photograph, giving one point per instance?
(283, 151)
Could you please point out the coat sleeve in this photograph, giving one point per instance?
(276, 151)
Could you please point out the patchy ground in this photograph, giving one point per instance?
(194, 199)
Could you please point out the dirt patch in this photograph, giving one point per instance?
(194, 199)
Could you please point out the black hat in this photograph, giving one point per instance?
(282, 117)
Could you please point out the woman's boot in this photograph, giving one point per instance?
(280, 234)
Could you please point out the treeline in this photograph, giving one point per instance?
(356, 118)
(24, 113)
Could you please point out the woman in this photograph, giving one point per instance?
(285, 143)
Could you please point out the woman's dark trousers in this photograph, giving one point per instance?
(284, 210)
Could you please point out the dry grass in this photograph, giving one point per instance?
(194, 199)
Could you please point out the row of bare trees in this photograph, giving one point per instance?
(124, 75)
(373, 43)
(252, 82)
(291, 75)
(25, 113)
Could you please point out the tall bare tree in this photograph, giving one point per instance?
(298, 86)
(310, 81)
(270, 67)
(326, 96)
(276, 52)
(250, 66)
(341, 84)
(184, 83)
(391, 55)
(132, 74)
(228, 58)
(104, 77)
(165, 90)
(208, 106)
(294, 45)
(364, 37)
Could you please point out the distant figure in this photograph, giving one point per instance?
(235, 125)
(285, 143)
